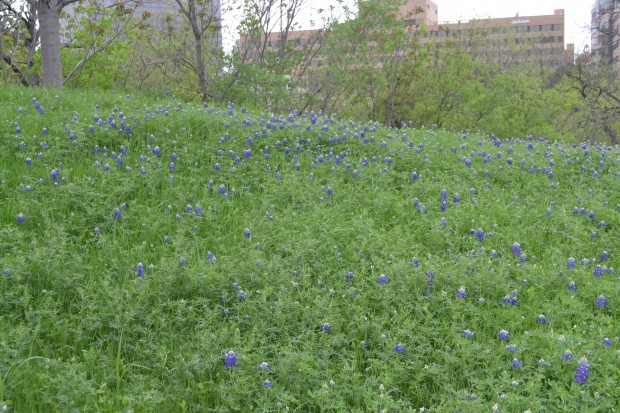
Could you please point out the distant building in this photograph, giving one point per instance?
(504, 40)
(605, 32)
(158, 11)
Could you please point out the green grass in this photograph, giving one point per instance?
(81, 332)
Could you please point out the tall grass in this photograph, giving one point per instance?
(317, 254)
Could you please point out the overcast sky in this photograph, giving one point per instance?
(577, 13)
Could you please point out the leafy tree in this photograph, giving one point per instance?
(19, 37)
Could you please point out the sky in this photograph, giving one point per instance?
(577, 13)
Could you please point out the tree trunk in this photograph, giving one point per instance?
(49, 26)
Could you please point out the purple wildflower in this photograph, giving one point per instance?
(598, 271)
(264, 366)
(604, 255)
(607, 342)
(140, 270)
(117, 213)
(467, 334)
(399, 348)
(20, 218)
(326, 327)
(601, 301)
(230, 359)
(383, 279)
(567, 355)
(461, 293)
(516, 249)
(503, 335)
(571, 263)
(582, 371)
(267, 384)
(480, 234)
(542, 319)
(572, 286)
(515, 363)
(247, 233)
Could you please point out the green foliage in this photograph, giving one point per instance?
(82, 332)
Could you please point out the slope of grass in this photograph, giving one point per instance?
(143, 241)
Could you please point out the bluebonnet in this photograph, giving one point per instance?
(430, 277)
(480, 234)
(461, 293)
(467, 334)
(515, 363)
(198, 210)
(20, 218)
(210, 257)
(415, 262)
(177, 217)
(329, 191)
(604, 255)
(267, 384)
(601, 301)
(264, 366)
(456, 198)
(607, 342)
(140, 270)
(567, 355)
(117, 213)
(572, 286)
(399, 348)
(542, 319)
(598, 271)
(349, 275)
(230, 359)
(383, 279)
(414, 176)
(503, 335)
(516, 249)
(571, 263)
(241, 295)
(542, 363)
(188, 209)
(444, 195)
(326, 327)
(513, 348)
(493, 254)
(582, 372)
(246, 233)
(28, 161)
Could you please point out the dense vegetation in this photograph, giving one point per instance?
(362, 63)
(158, 255)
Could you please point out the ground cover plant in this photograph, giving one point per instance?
(158, 255)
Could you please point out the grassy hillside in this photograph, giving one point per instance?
(164, 256)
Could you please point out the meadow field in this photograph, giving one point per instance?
(165, 256)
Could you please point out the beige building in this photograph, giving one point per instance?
(506, 40)
(605, 33)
